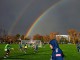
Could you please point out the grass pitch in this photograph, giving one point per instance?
(43, 53)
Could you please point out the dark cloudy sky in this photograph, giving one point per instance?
(26, 11)
(63, 16)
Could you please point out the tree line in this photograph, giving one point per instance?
(74, 37)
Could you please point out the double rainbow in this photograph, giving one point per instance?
(35, 22)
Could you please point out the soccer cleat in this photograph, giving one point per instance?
(5, 57)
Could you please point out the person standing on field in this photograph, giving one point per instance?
(57, 53)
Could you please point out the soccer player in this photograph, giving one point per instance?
(35, 46)
(78, 46)
(25, 47)
(7, 50)
(20, 46)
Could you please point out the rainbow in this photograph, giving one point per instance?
(13, 25)
(33, 25)
(39, 18)
(19, 17)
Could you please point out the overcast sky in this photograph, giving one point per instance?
(63, 16)
(25, 11)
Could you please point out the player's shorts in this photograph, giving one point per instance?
(8, 51)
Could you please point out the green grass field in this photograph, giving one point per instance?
(44, 53)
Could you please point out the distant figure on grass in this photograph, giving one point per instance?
(35, 46)
(78, 46)
(20, 46)
(57, 53)
(25, 47)
(7, 50)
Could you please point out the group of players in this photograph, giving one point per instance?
(22, 47)
(57, 53)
